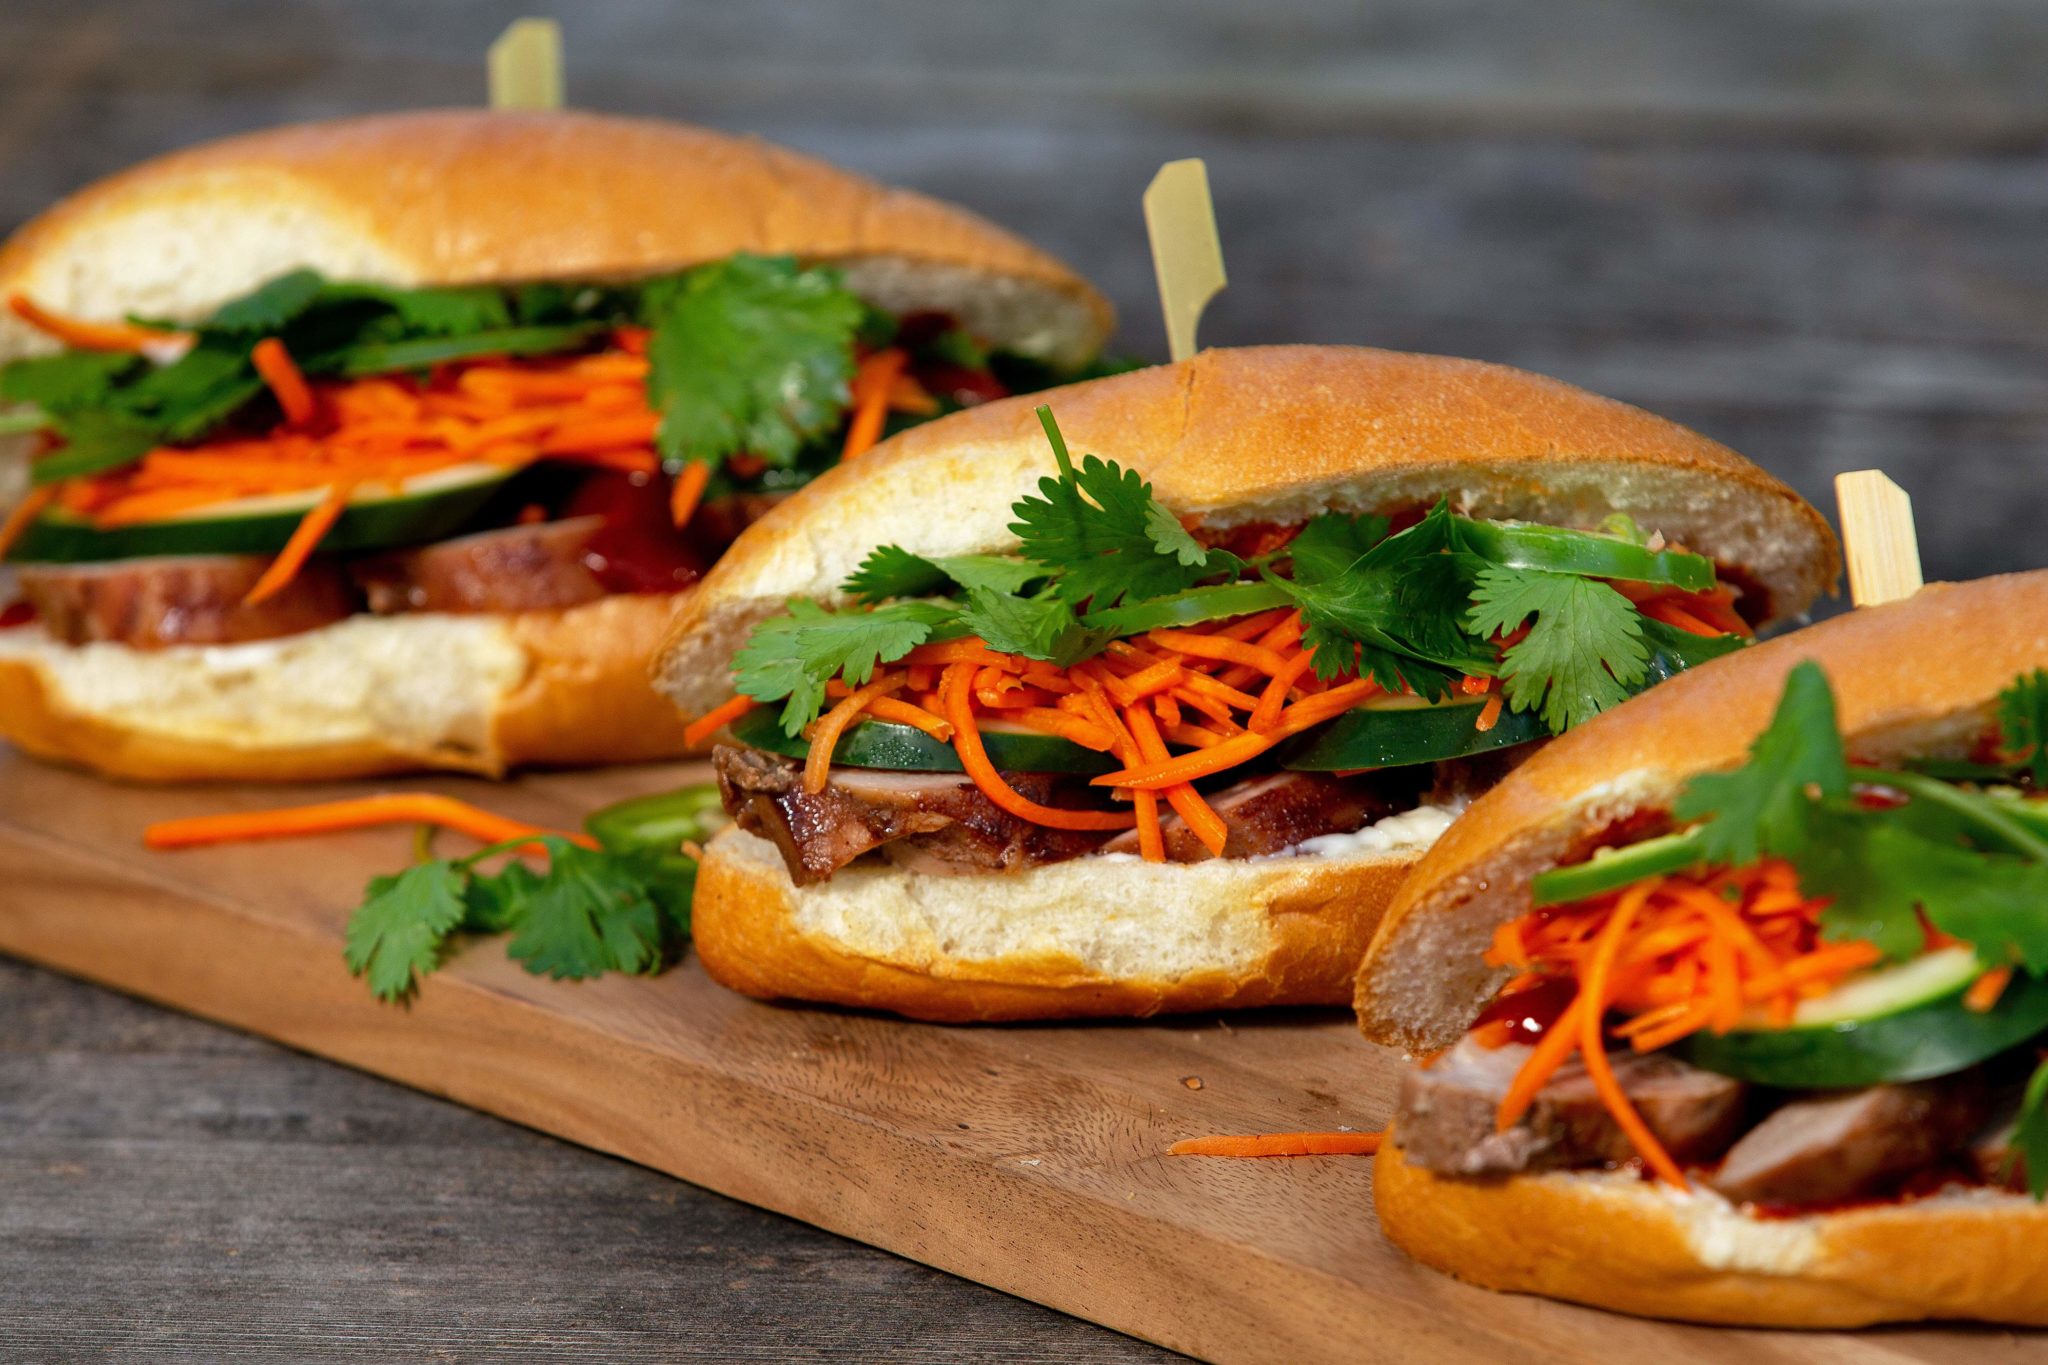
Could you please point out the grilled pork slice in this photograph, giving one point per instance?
(1833, 1147)
(1445, 1114)
(538, 567)
(1271, 813)
(181, 600)
(936, 822)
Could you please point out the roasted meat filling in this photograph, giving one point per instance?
(188, 600)
(1791, 1151)
(941, 823)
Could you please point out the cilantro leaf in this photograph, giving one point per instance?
(2023, 726)
(588, 916)
(1583, 652)
(1330, 544)
(1764, 806)
(398, 933)
(1037, 627)
(66, 382)
(1100, 526)
(892, 571)
(2030, 1134)
(493, 904)
(795, 655)
(752, 353)
(270, 307)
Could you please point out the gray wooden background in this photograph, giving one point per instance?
(1811, 228)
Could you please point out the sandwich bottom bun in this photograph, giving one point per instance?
(1614, 1240)
(365, 697)
(1095, 936)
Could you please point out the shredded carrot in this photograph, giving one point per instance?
(1266, 714)
(1489, 714)
(25, 512)
(86, 336)
(873, 384)
(717, 718)
(688, 492)
(955, 690)
(1046, 720)
(1280, 1144)
(312, 529)
(396, 808)
(1220, 647)
(1986, 989)
(910, 713)
(1593, 1045)
(1207, 825)
(275, 364)
(826, 730)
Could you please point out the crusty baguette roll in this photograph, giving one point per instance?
(473, 196)
(364, 697)
(457, 197)
(1919, 677)
(1267, 434)
(1242, 436)
(1615, 1240)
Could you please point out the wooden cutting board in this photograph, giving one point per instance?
(1028, 1158)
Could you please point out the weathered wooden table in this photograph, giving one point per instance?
(1810, 230)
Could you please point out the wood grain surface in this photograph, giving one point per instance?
(1030, 1159)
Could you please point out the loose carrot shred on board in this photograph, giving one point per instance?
(717, 718)
(398, 808)
(86, 336)
(1280, 1144)
(277, 368)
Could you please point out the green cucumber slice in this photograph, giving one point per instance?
(1526, 545)
(1189, 608)
(884, 744)
(658, 823)
(1610, 869)
(1907, 1023)
(427, 508)
(1405, 731)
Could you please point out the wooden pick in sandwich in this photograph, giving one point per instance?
(1187, 255)
(526, 66)
(1878, 537)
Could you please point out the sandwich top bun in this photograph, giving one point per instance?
(1267, 434)
(1919, 677)
(467, 196)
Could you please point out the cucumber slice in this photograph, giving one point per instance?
(1406, 730)
(1189, 608)
(1907, 1023)
(1525, 545)
(884, 744)
(427, 508)
(1610, 869)
(658, 823)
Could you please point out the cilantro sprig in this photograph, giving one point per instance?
(1974, 864)
(749, 353)
(1416, 610)
(621, 907)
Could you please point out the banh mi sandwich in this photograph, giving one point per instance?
(391, 443)
(1018, 733)
(1734, 1002)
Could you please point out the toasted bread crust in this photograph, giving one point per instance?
(1316, 916)
(1920, 676)
(1272, 433)
(583, 700)
(1615, 1241)
(462, 196)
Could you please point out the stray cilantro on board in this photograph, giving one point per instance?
(1416, 610)
(621, 907)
